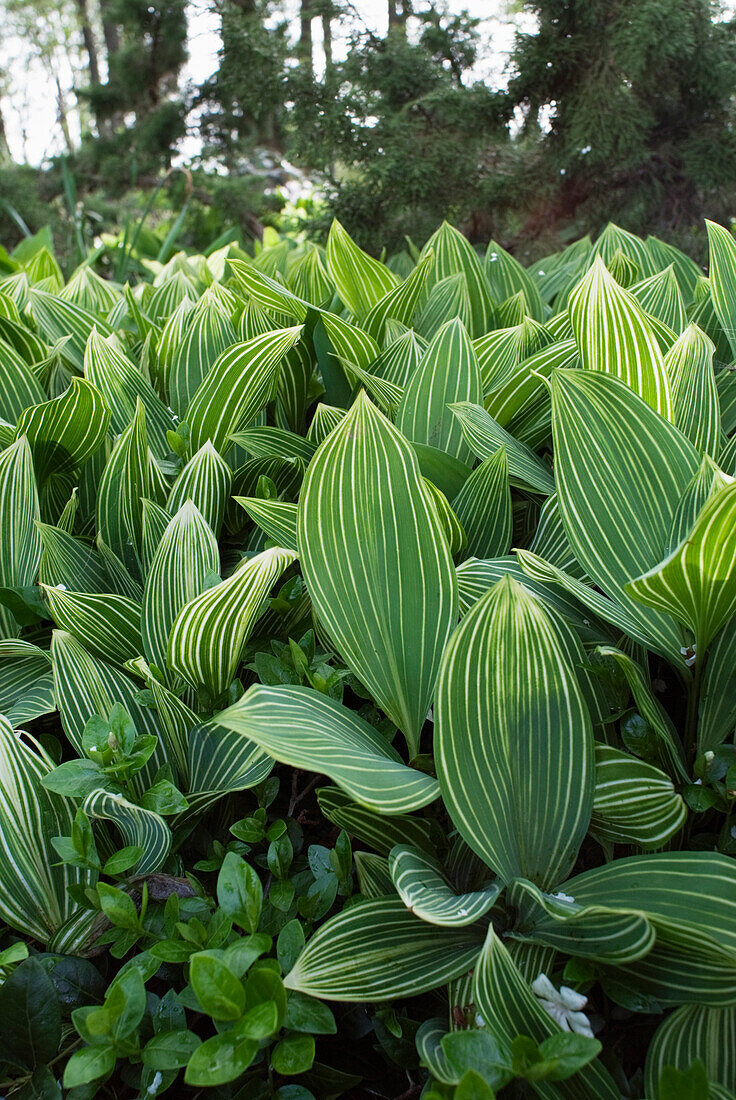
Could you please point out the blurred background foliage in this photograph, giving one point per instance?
(604, 111)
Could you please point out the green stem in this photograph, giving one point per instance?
(693, 703)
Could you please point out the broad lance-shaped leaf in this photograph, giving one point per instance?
(20, 544)
(19, 387)
(241, 382)
(276, 517)
(634, 803)
(454, 255)
(599, 932)
(206, 480)
(660, 297)
(377, 565)
(184, 560)
(33, 895)
(697, 414)
(506, 276)
(484, 437)
(694, 1033)
(107, 625)
(361, 281)
(208, 635)
(65, 432)
(123, 383)
(57, 319)
(448, 373)
(513, 742)
(208, 333)
(124, 484)
(86, 686)
(139, 827)
(483, 506)
(26, 682)
(426, 891)
(448, 521)
(508, 1007)
(377, 950)
(722, 275)
(697, 582)
(221, 762)
(69, 561)
(331, 740)
(620, 470)
(380, 831)
(615, 336)
(401, 303)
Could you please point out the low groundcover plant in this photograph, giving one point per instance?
(368, 673)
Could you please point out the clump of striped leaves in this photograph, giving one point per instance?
(504, 500)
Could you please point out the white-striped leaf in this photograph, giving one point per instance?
(325, 419)
(268, 292)
(186, 557)
(660, 297)
(447, 374)
(276, 517)
(377, 565)
(694, 1033)
(509, 1008)
(401, 303)
(453, 255)
(264, 440)
(33, 886)
(697, 414)
(634, 803)
(426, 891)
(57, 320)
(125, 482)
(483, 506)
(206, 480)
(500, 352)
(717, 713)
(86, 686)
(108, 625)
(380, 831)
(722, 276)
(484, 437)
(360, 280)
(697, 582)
(26, 682)
(19, 387)
(513, 742)
(138, 827)
(374, 881)
(123, 384)
(608, 935)
(330, 740)
(615, 336)
(377, 950)
(208, 334)
(241, 382)
(69, 561)
(20, 543)
(506, 276)
(221, 762)
(621, 470)
(207, 638)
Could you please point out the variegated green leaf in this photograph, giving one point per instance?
(483, 506)
(453, 255)
(615, 336)
(506, 276)
(401, 303)
(57, 319)
(208, 635)
(508, 1008)
(68, 561)
(186, 557)
(208, 334)
(377, 950)
(331, 740)
(722, 275)
(65, 432)
(360, 280)
(620, 470)
(484, 437)
(448, 373)
(690, 1033)
(33, 897)
(689, 363)
(26, 682)
(240, 383)
(20, 543)
(124, 483)
(697, 582)
(276, 517)
(206, 480)
(426, 891)
(377, 565)
(634, 803)
(507, 732)
(109, 626)
(138, 827)
(380, 831)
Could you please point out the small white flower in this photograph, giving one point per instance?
(690, 655)
(493, 257)
(563, 897)
(540, 272)
(479, 1021)
(462, 912)
(61, 587)
(564, 1006)
(155, 1084)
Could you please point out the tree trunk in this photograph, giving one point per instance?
(327, 40)
(89, 42)
(305, 36)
